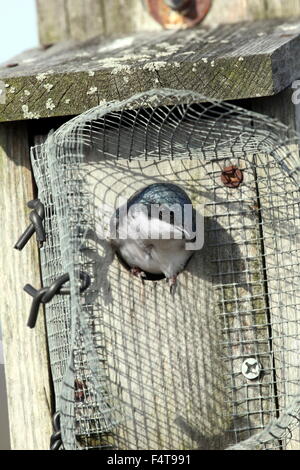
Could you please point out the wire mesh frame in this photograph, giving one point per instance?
(166, 124)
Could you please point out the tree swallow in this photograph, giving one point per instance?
(151, 231)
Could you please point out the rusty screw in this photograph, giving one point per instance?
(232, 176)
(80, 387)
(12, 64)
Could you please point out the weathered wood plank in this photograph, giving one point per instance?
(74, 19)
(280, 215)
(127, 17)
(25, 351)
(212, 402)
(250, 10)
(4, 425)
(84, 19)
(273, 8)
(238, 284)
(230, 62)
(52, 21)
(163, 354)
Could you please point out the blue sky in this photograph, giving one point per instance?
(18, 27)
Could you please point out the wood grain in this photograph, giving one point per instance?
(25, 351)
(4, 436)
(52, 22)
(73, 19)
(59, 20)
(176, 387)
(163, 354)
(280, 216)
(233, 11)
(230, 62)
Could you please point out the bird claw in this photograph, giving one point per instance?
(173, 288)
(137, 272)
(173, 284)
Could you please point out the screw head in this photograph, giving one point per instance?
(12, 64)
(251, 368)
(232, 176)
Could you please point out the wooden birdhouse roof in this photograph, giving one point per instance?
(243, 60)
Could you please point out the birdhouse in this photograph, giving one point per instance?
(110, 360)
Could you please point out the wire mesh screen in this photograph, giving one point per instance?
(216, 365)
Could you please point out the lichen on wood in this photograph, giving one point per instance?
(229, 62)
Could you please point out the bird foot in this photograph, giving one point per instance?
(137, 272)
(172, 284)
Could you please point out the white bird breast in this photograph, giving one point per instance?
(153, 245)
